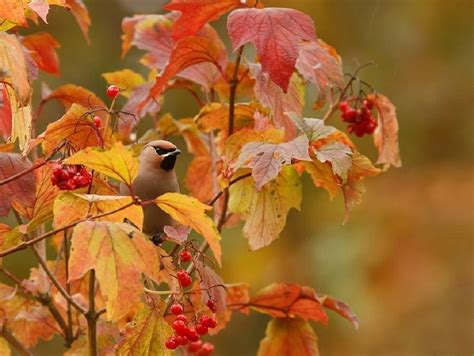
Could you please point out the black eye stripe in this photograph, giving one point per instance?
(161, 151)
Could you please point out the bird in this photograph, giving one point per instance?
(156, 176)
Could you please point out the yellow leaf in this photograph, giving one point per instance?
(146, 335)
(289, 337)
(119, 254)
(125, 79)
(21, 120)
(191, 212)
(118, 162)
(4, 348)
(70, 207)
(265, 211)
(215, 116)
(323, 176)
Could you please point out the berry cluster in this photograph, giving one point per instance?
(360, 120)
(189, 333)
(70, 177)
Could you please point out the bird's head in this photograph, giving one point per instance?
(159, 154)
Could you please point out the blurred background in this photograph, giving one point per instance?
(404, 261)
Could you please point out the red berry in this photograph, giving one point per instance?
(182, 317)
(179, 326)
(182, 340)
(83, 181)
(171, 343)
(343, 106)
(211, 305)
(184, 278)
(54, 180)
(192, 334)
(369, 104)
(349, 115)
(201, 329)
(208, 321)
(71, 184)
(57, 172)
(185, 256)
(97, 121)
(206, 349)
(195, 346)
(112, 91)
(176, 309)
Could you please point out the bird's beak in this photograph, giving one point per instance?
(172, 153)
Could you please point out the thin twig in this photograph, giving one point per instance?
(68, 284)
(91, 316)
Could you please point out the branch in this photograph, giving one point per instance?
(92, 316)
(68, 285)
(27, 243)
(13, 341)
(56, 283)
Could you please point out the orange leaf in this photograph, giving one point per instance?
(13, 10)
(81, 14)
(76, 127)
(238, 298)
(283, 300)
(21, 190)
(69, 94)
(289, 337)
(5, 113)
(117, 253)
(386, 133)
(43, 50)
(196, 13)
(187, 52)
(199, 178)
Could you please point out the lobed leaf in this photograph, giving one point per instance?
(190, 212)
(118, 162)
(119, 254)
(276, 33)
(265, 211)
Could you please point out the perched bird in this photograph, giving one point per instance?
(156, 176)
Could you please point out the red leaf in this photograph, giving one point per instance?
(276, 33)
(283, 300)
(320, 64)
(43, 50)
(386, 133)
(341, 308)
(196, 13)
(21, 190)
(187, 52)
(272, 96)
(5, 113)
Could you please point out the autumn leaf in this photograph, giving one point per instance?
(43, 51)
(196, 13)
(320, 64)
(71, 207)
(238, 298)
(28, 320)
(338, 154)
(386, 133)
(323, 176)
(4, 348)
(145, 335)
(215, 116)
(74, 126)
(213, 288)
(20, 191)
(187, 52)
(191, 212)
(285, 300)
(354, 188)
(199, 178)
(80, 12)
(314, 129)
(289, 337)
(126, 79)
(69, 94)
(13, 11)
(42, 209)
(14, 67)
(273, 97)
(118, 162)
(341, 308)
(188, 129)
(119, 254)
(276, 33)
(20, 121)
(265, 211)
(266, 159)
(107, 336)
(41, 7)
(5, 113)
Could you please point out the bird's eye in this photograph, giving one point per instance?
(161, 151)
